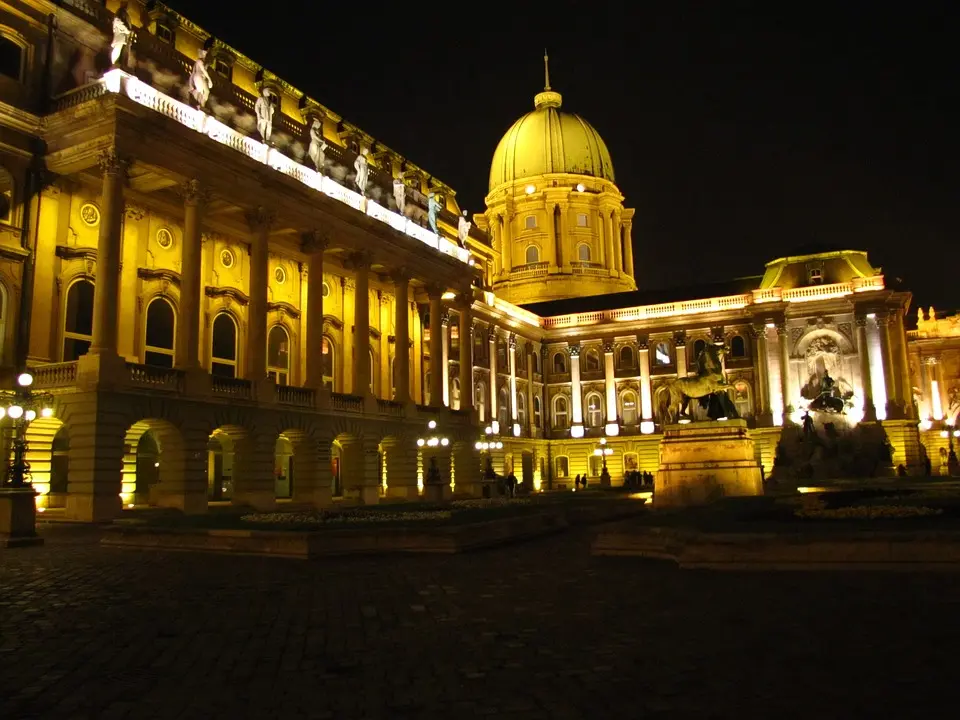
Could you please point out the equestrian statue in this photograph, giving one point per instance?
(830, 399)
(709, 387)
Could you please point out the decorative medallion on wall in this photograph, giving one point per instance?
(280, 275)
(165, 238)
(326, 290)
(226, 258)
(90, 214)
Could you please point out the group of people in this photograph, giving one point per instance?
(636, 479)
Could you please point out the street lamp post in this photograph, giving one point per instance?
(491, 441)
(18, 508)
(953, 464)
(604, 451)
(435, 489)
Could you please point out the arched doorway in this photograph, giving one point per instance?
(147, 468)
(283, 468)
(219, 466)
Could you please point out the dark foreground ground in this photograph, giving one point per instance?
(538, 630)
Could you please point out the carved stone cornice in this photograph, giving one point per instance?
(170, 276)
(333, 321)
(284, 308)
(72, 252)
(192, 192)
(17, 254)
(227, 292)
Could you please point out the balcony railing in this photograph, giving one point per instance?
(530, 270)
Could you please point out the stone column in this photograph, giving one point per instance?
(618, 241)
(361, 324)
(680, 346)
(936, 401)
(188, 320)
(906, 379)
(531, 420)
(628, 247)
(493, 374)
(607, 222)
(436, 346)
(401, 327)
(106, 298)
(863, 350)
(260, 221)
(784, 341)
(315, 245)
(550, 247)
(610, 385)
(445, 324)
(576, 398)
(466, 356)
(894, 410)
(759, 334)
(563, 262)
(512, 345)
(646, 397)
(924, 389)
(506, 246)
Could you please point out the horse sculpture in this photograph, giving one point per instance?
(708, 382)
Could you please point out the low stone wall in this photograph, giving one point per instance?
(331, 542)
(791, 550)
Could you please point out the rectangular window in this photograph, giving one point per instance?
(815, 276)
(164, 33)
(530, 222)
(581, 220)
(222, 68)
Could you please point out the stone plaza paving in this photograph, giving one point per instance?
(535, 630)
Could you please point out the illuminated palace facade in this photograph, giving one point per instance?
(257, 302)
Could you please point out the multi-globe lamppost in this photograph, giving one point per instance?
(18, 510)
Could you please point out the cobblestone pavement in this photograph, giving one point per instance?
(538, 630)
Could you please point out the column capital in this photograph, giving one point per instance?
(781, 329)
(314, 241)
(883, 319)
(400, 275)
(680, 338)
(529, 347)
(861, 321)
(643, 342)
(512, 341)
(260, 218)
(112, 163)
(192, 192)
(758, 330)
(607, 347)
(445, 318)
(575, 350)
(361, 259)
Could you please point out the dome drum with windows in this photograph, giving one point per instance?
(554, 212)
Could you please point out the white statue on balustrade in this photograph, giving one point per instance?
(264, 110)
(400, 194)
(433, 209)
(318, 145)
(463, 229)
(121, 33)
(200, 81)
(360, 165)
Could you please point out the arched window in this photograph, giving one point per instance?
(662, 354)
(223, 346)
(592, 361)
(6, 195)
(502, 354)
(426, 388)
(537, 414)
(3, 318)
(521, 409)
(521, 357)
(478, 347)
(374, 374)
(631, 462)
(560, 413)
(503, 409)
(561, 468)
(738, 347)
(628, 407)
(11, 58)
(278, 355)
(536, 361)
(328, 360)
(583, 252)
(594, 409)
(78, 320)
(698, 347)
(533, 254)
(480, 401)
(160, 333)
(455, 394)
(626, 357)
(741, 398)
(559, 363)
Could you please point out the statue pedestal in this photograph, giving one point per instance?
(703, 462)
(18, 517)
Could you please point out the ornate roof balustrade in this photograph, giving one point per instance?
(119, 82)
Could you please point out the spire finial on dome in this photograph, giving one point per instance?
(546, 70)
(548, 98)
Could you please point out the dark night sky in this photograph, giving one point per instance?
(739, 131)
